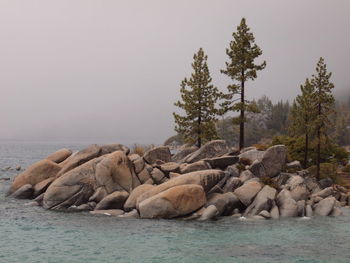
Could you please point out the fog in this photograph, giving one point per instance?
(110, 70)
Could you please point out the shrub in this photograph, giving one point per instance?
(269, 181)
(261, 147)
(326, 170)
(245, 161)
(346, 168)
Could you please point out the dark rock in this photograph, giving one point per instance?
(326, 182)
(211, 149)
(24, 192)
(161, 153)
(222, 162)
(114, 200)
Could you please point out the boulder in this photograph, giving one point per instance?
(145, 174)
(183, 152)
(41, 187)
(114, 200)
(300, 192)
(193, 167)
(176, 201)
(131, 214)
(301, 208)
(282, 179)
(287, 205)
(24, 192)
(265, 214)
(232, 184)
(252, 155)
(274, 212)
(324, 193)
(225, 203)
(157, 176)
(246, 175)
(160, 153)
(130, 203)
(108, 212)
(79, 158)
(73, 188)
(247, 192)
(325, 183)
(207, 179)
(59, 156)
(232, 171)
(34, 174)
(263, 201)
(168, 168)
(272, 162)
(336, 211)
(115, 173)
(211, 149)
(308, 211)
(325, 206)
(222, 162)
(110, 148)
(99, 194)
(295, 165)
(211, 212)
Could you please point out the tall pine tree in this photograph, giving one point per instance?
(302, 116)
(324, 102)
(241, 67)
(198, 99)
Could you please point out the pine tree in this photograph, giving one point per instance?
(324, 102)
(302, 116)
(198, 99)
(242, 52)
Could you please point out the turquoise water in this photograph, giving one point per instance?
(31, 234)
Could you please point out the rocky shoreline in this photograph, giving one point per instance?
(193, 184)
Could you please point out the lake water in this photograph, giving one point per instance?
(32, 234)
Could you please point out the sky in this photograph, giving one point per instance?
(82, 70)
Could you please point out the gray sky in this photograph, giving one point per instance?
(110, 70)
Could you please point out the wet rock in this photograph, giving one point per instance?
(24, 192)
(301, 208)
(272, 162)
(193, 167)
(130, 203)
(247, 192)
(336, 212)
(274, 212)
(109, 212)
(161, 153)
(59, 156)
(176, 201)
(131, 214)
(211, 212)
(36, 173)
(211, 149)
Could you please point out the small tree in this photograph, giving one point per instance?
(324, 102)
(302, 116)
(241, 67)
(198, 99)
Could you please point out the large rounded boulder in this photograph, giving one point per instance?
(211, 149)
(174, 202)
(34, 174)
(60, 155)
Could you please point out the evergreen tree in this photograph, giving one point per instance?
(241, 67)
(302, 116)
(198, 99)
(324, 102)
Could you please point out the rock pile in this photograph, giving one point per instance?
(201, 184)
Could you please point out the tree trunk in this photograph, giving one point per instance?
(318, 142)
(306, 150)
(241, 124)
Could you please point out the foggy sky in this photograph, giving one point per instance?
(77, 70)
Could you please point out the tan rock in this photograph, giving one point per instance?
(130, 203)
(60, 155)
(176, 201)
(114, 200)
(41, 187)
(36, 173)
(248, 191)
